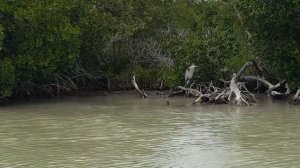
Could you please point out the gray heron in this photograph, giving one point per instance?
(189, 73)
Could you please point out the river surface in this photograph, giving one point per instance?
(127, 131)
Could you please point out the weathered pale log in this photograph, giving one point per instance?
(280, 95)
(213, 95)
(296, 98)
(142, 92)
(234, 88)
(191, 91)
(237, 88)
(223, 95)
(270, 86)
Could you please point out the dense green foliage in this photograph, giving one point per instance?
(276, 29)
(63, 43)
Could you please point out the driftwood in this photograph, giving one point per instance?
(279, 95)
(142, 92)
(270, 86)
(191, 91)
(261, 79)
(296, 98)
(235, 90)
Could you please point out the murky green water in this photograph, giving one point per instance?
(126, 131)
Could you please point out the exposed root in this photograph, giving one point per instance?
(60, 84)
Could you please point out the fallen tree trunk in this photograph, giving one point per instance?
(260, 78)
(142, 92)
(270, 86)
(241, 97)
(235, 90)
(279, 95)
(191, 91)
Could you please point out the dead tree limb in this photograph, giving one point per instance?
(270, 86)
(296, 98)
(142, 92)
(237, 92)
(280, 95)
(235, 89)
(191, 91)
(213, 95)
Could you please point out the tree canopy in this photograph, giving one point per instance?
(48, 46)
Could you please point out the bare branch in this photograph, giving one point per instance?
(142, 92)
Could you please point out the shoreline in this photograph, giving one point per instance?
(130, 94)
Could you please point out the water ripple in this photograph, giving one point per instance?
(129, 132)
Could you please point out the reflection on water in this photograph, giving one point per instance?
(126, 131)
